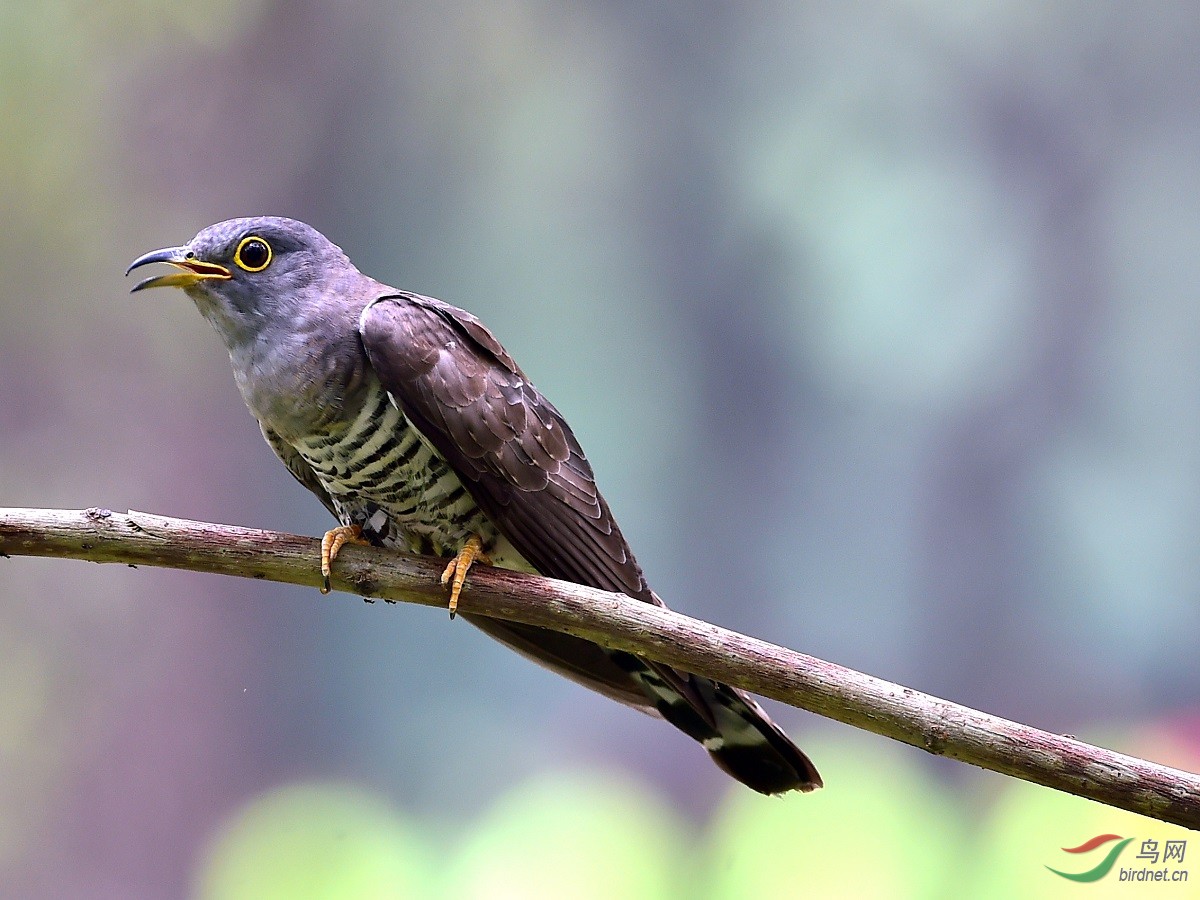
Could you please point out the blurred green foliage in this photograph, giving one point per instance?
(309, 841)
(883, 829)
(863, 836)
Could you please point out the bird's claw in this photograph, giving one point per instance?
(456, 570)
(332, 544)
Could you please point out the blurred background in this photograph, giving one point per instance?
(878, 322)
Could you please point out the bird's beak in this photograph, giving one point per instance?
(191, 269)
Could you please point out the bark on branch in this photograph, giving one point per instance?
(897, 712)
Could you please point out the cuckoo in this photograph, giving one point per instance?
(416, 429)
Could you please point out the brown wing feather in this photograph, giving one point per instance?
(521, 463)
(526, 471)
(581, 661)
(577, 659)
(509, 445)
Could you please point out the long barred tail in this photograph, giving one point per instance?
(754, 750)
(735, 730)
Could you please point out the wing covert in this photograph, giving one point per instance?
(508, 444)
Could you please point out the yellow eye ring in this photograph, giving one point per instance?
(253, 254)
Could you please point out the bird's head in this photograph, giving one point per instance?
(243, 273)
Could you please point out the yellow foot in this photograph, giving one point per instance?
(333, 542)
(457, 568)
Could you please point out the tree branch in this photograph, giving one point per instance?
(897, 712)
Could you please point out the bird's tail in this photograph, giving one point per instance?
(735, 730)
(751, 747)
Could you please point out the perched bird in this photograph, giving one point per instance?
(417, 430)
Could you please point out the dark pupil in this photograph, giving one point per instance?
(254, 254)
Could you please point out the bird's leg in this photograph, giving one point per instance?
(333, 542)
(458, 567)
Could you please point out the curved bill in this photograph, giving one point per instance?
(191, 270)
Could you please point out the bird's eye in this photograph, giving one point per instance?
(253, 254)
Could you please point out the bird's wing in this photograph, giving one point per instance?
(573, 657)
(581, 661)
(297, 466)
(506, 442)
(521, 463)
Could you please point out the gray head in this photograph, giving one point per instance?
(244, 273)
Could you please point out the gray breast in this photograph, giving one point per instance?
(382, 474)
